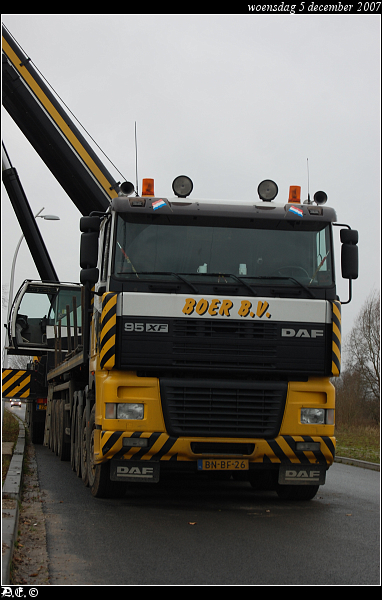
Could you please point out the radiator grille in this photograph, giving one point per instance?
(218, 408)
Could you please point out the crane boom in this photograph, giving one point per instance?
(53, 135)
(27, 221)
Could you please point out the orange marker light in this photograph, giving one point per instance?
(295, 194)
(147, 187)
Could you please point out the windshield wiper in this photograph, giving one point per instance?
(169, 273)
(224, 275)
(291, 279)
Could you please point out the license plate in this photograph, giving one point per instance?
(40, 406)
(222, 464)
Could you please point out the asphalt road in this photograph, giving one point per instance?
(211, 533)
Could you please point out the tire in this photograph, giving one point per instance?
(99, 475)
(50, 437)
(77, 449)
(83, 444)
(55, 426)
(37, 431)
(63, 446)
(59, 429)
(73, 433)
(297, 492)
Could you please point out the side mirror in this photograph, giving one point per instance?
(89, 250)
(89, 276)
(349, 261)
(349, 236)
(349, 253)
(89, 224)
(349, 256)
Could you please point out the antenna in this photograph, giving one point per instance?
(136, 159)
(307, 168)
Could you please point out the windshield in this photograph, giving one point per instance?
(282, 251)
(50, 304)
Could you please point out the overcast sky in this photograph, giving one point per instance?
(228, 100)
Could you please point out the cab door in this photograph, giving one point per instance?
(39, 307)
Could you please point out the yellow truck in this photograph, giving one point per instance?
(206, 337)
(203, 335)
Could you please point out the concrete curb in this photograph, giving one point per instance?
(10, 516)
(358, 463)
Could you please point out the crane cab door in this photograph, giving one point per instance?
(39, 315)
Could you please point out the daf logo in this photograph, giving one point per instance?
(135, 471)
(302, 333)
(309, 475)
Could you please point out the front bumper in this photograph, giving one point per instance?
(157, 446)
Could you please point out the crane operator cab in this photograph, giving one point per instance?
(39, 317)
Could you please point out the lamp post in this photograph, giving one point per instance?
(11, 282)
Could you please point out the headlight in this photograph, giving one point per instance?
(313, 416)
(121, 410)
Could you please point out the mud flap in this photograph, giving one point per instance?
(138, 471)
(302, 474)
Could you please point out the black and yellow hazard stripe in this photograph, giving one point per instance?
(108, 330)
(283, 450)
(159, 446)
(16, 383)
(336, 338)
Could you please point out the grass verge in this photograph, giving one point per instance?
(361, 442)
(10, 433)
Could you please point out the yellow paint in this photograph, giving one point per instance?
(60, 122)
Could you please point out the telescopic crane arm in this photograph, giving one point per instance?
(27, 221)
(52, 133)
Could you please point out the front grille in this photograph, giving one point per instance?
(192, 328)
(224, 344)
(221, 408)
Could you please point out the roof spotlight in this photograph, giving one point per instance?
(267, 190)
(126, 188)
(182, 186)
(320, 197)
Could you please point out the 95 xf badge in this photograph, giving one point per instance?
(146, 327)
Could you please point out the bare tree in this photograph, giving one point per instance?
(363, 351)
(350, 399)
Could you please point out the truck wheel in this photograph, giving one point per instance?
(77, 449)
(63, 447)
(37, 432)
(73, 433)
(55, 427)
(99, 475)
(296, 492)
(84, 457)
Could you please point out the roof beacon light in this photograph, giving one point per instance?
(320, 197)
(295, 194)
(182, 186)
(148, 187)
(267, 190)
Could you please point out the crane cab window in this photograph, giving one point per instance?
(37, 309)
